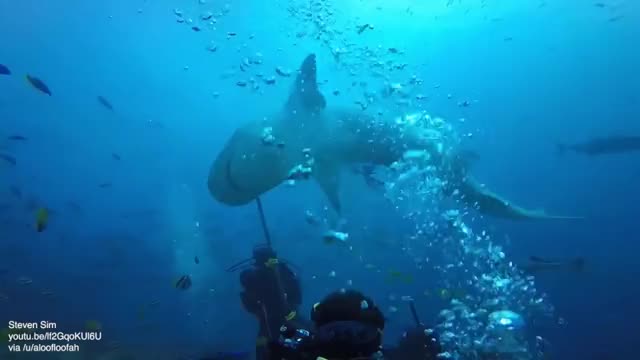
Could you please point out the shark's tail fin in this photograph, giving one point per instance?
(541, 214)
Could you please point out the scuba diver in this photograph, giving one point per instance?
(416, 343)
(348, 325)
(271, 292)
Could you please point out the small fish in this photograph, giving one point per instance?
(4, 70)
(364, 27)
(616, 18)
(92, 325)
(290, 316)
(537, 264)
(42, 219)
(449, 294)
(283, 72)
(105, 185)
(104, 102)
(183, 283)
(271, 263)
(38, 84)
(197, 260)
(8, 158)
(407, 278)
(17, 138)
(115, 156)
(23, 280)
(47, 293)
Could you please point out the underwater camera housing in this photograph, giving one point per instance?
(348, 325)
(337, 340)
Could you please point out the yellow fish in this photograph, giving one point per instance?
(271, 263)
(447, 294)
(261, 341)
(401, 276)
(42, 218)
(290, 316)
(92, 325)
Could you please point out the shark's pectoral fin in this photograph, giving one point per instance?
(328, 177)
(305, 94)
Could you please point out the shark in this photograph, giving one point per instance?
(260, 155)
(603, 145)
(538, 264)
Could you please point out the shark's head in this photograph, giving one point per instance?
(258, 157)
(245, 169)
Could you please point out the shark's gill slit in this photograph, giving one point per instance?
(230, 180)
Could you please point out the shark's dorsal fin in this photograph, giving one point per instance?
(305, 94)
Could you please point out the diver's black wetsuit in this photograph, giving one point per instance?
(348, 325)
(415, 344)
(271, 293)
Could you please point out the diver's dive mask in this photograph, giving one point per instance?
(335, 340)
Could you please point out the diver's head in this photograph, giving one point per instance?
(262, 254)
(349, 305)
(349, 325)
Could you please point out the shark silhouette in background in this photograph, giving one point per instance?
(617, 144)
(260, 155)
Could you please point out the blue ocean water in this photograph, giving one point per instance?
(129, 209)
